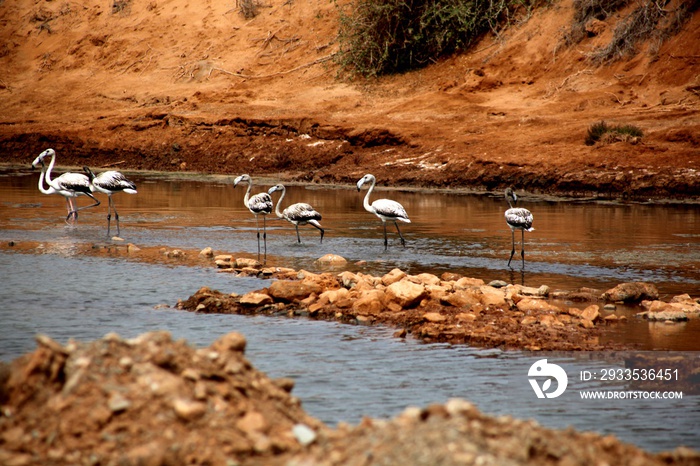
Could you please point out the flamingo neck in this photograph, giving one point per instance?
(48, 171)
(41, 181)
(366, 204)
(279, 203)
(247, 194)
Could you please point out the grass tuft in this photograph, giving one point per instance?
(604, 132)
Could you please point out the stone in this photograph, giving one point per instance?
(348, 279)
(498, 283)
(118, 403)
(243, 262)
(393, 276)
(632, 292)
(334, 296)
(207, 252)
(491, 296)
(425, 279)
(434, 317)
(667, 315)
(189, 410)
(232, 341)
(591, 313)
(466, 282)
(528, 320)
(304, 434)
(293, 290)
(536, 305)
(332, 259)
(405, 293)
(369, 303)
(460, 298)
(256, 299)
(252, 422)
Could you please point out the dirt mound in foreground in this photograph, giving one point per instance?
(154, 401)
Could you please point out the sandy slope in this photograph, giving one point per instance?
(182, 85)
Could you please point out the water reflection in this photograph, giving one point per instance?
(574, 244)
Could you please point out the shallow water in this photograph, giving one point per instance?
(351, 371)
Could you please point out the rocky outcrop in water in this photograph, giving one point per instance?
(450, 308)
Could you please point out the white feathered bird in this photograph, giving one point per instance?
(69, 185)
(259, 204)
(517, 218)
(110, 182)
(386, 209)
(297, 214)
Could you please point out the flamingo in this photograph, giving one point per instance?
(110, 182)
(517, 218)
(298, 214)
(259, 204)
(385, 209)
(68, 185)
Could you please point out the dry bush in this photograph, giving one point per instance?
(649, 21)
(392, 36)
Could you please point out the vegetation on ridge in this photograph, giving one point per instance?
(392, 36)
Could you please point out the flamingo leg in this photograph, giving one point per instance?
(298, 237)
(69, 207)
(512, 251)
(386, 242)
(403, 241)
(522, 247)
(78, 209)
(265, 239)
(257, 226)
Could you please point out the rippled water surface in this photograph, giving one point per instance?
(343, 371)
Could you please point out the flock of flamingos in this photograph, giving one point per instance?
(71, 185)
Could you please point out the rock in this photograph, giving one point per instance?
(251, 423)
(405, 293)
(460, 298)
(332, 259)
(207, 252)
(666, 315)
(528, 320)
(491, 296)
(591, 313)
(467, 282)
(242, 262)
(498, 283)
(632, 292)
(434, 317)
(333, 296)
(425, 279)
(223, 264)
(256, 299)
(304, 434)
(348, 279)
(189, 410)
(293, 290)
(118, 403)
(369, 303)
(233, 341)
(223, 257)
(536, 305)
(131, 247)
(393, 276)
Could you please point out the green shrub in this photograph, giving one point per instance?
(388, 36)
(601, 131)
